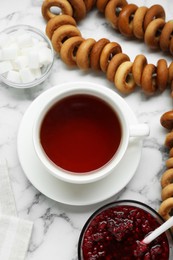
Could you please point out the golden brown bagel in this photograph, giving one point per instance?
(125, 20)
(167, 191)
(169, 140)
(162, 74)
(57, 21)
(124, 80)
(89, 4)
(107, 54)
(114, 63)
(96, 52)
(169, 163)
(62, 34)
(138, 22)
(166, 120)
(154, 12)
(152, 33)
(166, 35)
(83, 54)
(63, 5)
(79, 9)
(148, 80)
(167, 178)
(112, 11)
(137, 69)
(165, 208)
(69, 49)
(101, 4)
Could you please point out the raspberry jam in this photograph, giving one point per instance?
(116, 233)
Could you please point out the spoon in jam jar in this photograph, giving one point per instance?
(143, 245)
(158, 231)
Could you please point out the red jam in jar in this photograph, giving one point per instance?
(116, 232)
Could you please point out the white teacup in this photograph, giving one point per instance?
(87, 98)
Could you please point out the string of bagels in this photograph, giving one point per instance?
(143, 23)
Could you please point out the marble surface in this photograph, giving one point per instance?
(57, 226)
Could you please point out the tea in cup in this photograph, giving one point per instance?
(81, 134)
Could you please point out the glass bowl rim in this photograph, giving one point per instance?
(40, 33)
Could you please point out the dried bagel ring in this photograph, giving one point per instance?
(69, 50)
(152, 33)
(107, 53)
(57, 21)
(89, 4)
(138, 21)
(169, 163)
(171, 152)
(114, 64)
(166, 120)
(138, 66)
(167, 191)
(63, 5)
(96, 52)
(169, 140)
(148, 80)
(125, 20)
(101, 4)
(171, 46)
(62, 34)
(112, 11)
(162, 74)
(170, 77)
(171, 89)
(170, 72)
(79, 9)
(166, 36)
(167, 178)
(154, 12)
(124, 80)
(165, 208)
(83, 54)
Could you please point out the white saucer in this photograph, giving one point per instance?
(67, 193)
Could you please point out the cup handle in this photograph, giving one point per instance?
(139, 130)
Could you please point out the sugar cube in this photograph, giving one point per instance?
(21, 62)
(10, 53)
(45, 56)
(25, 40)
(5, 66)
(33, 60)
(14, 76)
(36, 72)
(26, 75)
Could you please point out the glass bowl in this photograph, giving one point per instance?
(115, 231)
(37, 36)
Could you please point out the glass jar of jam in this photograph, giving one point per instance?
(116, 230)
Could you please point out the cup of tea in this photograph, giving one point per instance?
(81, 134)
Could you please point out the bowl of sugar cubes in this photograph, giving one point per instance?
(26, 56)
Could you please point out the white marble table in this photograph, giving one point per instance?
(57, 226)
